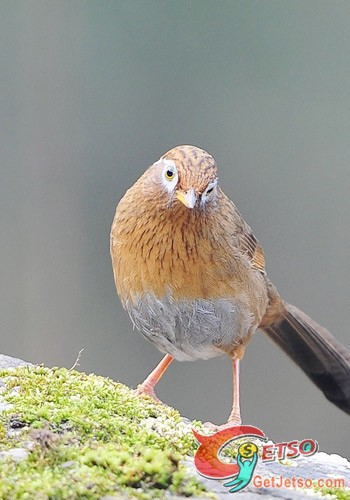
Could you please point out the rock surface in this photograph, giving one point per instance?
(7, 362)
(320, 465)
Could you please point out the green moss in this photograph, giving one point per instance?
(339, 493)
(88, 436)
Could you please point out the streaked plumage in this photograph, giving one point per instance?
(190, 272)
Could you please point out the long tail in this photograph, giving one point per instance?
(324, 360)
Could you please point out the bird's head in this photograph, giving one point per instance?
(188, 174)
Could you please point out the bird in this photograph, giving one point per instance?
(191, 275)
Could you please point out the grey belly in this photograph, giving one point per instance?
(193, 329)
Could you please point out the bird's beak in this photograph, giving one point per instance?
(188, 198)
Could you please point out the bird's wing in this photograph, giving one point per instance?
(251, 248)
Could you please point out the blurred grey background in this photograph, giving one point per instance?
(94, 92)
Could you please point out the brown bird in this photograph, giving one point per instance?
(191, 275)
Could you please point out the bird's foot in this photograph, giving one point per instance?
(235, 418)
(232, 421)
(217, 427)
(148, 391)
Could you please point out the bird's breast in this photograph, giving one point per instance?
(185, 255)
(182, 281)
(191, 329)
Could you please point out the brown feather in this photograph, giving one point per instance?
(322, 358)
(205, 263)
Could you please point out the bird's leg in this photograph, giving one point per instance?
(148, 385)
(235, 416)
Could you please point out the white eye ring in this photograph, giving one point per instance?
(169, 174)
(209, 191)
(210, 187)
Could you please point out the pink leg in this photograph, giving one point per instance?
(235, 416)
(148, 385)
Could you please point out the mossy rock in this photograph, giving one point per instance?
(67, 435)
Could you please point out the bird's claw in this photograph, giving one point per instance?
(216, 427)
(148, 391)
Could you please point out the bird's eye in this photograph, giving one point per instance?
(210, 187)
(169, 174)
